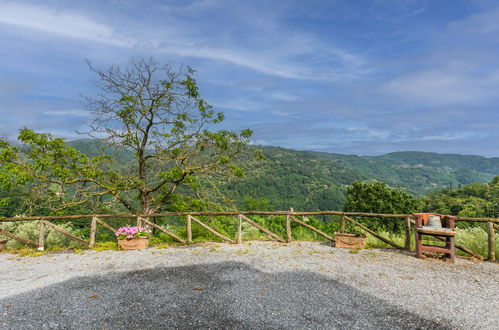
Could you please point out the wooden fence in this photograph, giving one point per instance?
(244, 216)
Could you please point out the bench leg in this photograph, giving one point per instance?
(449, 244)
(419, 246)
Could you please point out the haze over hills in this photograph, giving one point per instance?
(311, 180)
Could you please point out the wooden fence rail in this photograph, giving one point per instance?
(290, 216)
(235, 213)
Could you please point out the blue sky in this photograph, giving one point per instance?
(358, 77)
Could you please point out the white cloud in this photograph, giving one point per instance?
(452, 136)
(256, 63)
(63, 23)
(275, 51)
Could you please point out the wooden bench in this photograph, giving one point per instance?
(447, 234)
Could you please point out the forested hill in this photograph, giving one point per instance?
(317, 181)
(310, 180)
(420, 172)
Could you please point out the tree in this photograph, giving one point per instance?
(153, 110)
(472, 200)
(377, 197)
(257, 204)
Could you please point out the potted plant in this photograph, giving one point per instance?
(353, 240)
(132, 238)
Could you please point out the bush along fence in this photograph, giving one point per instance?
(297, 218)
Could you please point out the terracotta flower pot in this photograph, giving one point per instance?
(350, 241)
(136, 243)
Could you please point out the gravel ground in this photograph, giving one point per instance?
(254, 285)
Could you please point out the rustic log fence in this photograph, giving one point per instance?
(244, 216)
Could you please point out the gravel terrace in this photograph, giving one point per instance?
(255, 285)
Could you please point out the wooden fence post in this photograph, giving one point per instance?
(342, 224)
(288, 229)
(189, 229)
(407, 245)
(288, 226)
(93, 228)
(239, 234)
(41, 237)
(492, 237)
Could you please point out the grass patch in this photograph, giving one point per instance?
(475, 239)
(27, 252)
(162, 246)
(103, 246)
(399, 239)
(242, 252)
(78, 251)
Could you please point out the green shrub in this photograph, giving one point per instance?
(475, 239)
(397, 238)
(31, 229)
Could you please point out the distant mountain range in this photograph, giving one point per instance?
(311, 180)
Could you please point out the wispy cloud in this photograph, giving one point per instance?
(345, 76)
(331, 63)
(60, 22)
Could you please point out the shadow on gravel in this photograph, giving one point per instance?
(222, 295)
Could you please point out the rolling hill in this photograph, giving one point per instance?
(317, 181)
(309, 180)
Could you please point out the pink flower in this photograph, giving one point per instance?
(131, 232)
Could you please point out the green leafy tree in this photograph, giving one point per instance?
(377, 197)
(257, 204)
(153, 110)
(473, 200)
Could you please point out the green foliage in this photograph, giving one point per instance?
(257, 204)
(108, 245)
(475, 239)
(473, 200)
(30, 230)
(289, 178)
(377, 197)
(313, 181)
(50, 175)
(420, 172)
(153, 116)
(396, 237)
